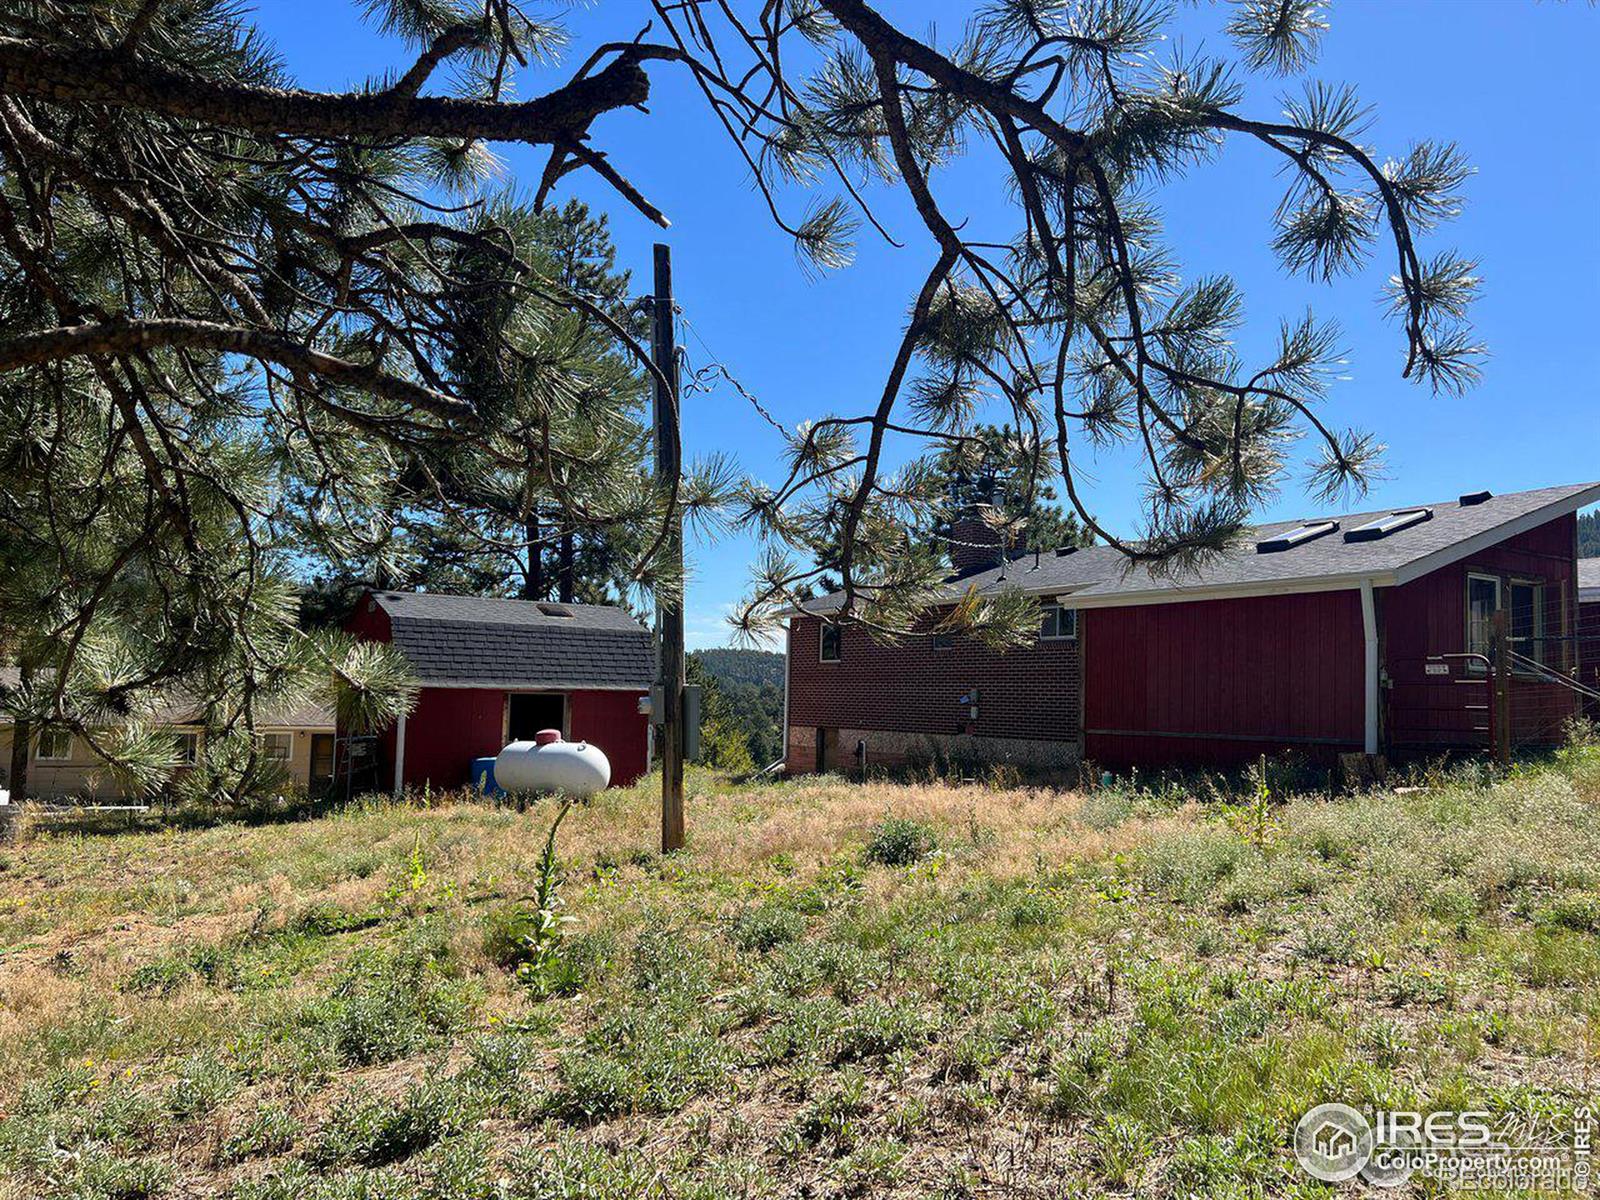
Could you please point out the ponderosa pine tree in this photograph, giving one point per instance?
(483, 524)
(218, 288)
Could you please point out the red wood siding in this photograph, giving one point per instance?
(910, 687)
(447, 730)
(612, 721)
(1428, 617)
(370, 623)
(1218, 682)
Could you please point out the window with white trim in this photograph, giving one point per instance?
(830, 645)
(55, 745)
(1058, 623)
(187, 745)
(277, 747)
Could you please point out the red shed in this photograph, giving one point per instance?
(1337, 633)
(495, 671)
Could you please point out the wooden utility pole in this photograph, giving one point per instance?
(1502, 686)
(669, 611)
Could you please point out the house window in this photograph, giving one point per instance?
(942, 640)
(55, 745)
(832, 639)
(187, 745)
(277, 747)
(1058, 624)
(1483, 601)
(1527, 622)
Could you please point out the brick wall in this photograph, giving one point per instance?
(898, 696)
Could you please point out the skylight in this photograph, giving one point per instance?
(554, 610)
(1298, 536)
(1380, 527)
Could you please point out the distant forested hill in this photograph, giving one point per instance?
(751, 684)
(1589, 535)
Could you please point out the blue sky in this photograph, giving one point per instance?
(1511, 82)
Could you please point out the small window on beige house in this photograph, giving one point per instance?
(277, 747)
(55, 745)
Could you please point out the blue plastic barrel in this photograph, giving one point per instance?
(483, 778)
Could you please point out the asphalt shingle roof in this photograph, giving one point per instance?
(1589, 578)
(1103, 572)
(519, 643)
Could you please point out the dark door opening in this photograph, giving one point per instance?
(827, 749)
(321, 759)
(533, 711)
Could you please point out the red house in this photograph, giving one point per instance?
(1344, 633)
(496, 671)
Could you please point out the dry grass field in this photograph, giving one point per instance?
(837, 990)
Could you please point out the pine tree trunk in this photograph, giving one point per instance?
(533, 576)
(18, 777)
(566, 568)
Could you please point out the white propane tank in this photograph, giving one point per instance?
(548, 764)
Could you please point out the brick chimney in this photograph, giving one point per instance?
(975, 545)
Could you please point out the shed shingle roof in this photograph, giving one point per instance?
(472, 640)
(1102, 575)
(1589, 579)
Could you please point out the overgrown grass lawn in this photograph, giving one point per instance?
(844, 990)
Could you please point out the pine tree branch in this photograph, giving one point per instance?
(122, 336)
(89, 75)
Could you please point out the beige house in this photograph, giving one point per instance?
(61, 766)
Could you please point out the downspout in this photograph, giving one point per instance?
(1369, 627)
(788, 648)
(400, 757)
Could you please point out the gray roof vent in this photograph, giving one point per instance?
(1472, 498)
(1382, 527)
(1298, 536)
(555, 610)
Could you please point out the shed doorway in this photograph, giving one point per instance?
(529, 712)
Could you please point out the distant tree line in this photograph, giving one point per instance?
(1589, 535)
(741, 724)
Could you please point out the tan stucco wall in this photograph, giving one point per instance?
(79, 776)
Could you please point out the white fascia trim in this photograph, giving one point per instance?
(788, 640)
(1489, 537)
(1181, 595)
(400, 757)
(1178, 595)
